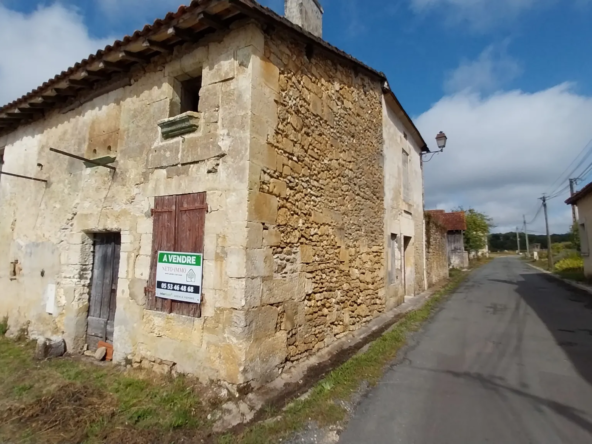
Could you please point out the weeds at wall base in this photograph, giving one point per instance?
(3, 326)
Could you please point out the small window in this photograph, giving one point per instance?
(1, 161)
(190, 95)
(405, 178)
(584, 246)
(393, 259)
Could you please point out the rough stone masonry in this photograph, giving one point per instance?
(314, 188)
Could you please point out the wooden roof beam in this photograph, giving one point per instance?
(156, 46)
(13, 116)
(184, 34)
(75, 83)
(95, 75)
(41, 106)
(212, 21)
(138, 58)
(111, 66)
(65, 92)
(30, 110)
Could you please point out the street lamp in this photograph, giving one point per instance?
(441, 139)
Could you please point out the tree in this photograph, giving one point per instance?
(478, 226)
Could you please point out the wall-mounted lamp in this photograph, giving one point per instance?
(441, 140)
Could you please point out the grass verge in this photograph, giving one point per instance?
(576, 275)
(325, 403)
(73, 400)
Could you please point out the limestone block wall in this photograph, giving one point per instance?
(436, 251)
(48, 230)
(318, 195)
(403, 210)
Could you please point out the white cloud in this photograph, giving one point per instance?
(142, 10)
(505, 150)
(42, 44)
(479, 14)
(492, 70)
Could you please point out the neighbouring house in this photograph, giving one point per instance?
(583, 201)
(275, 181)
(456, 225)
(436, 239)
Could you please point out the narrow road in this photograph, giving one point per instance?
(508, 359)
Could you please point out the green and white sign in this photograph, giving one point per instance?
(179, 276)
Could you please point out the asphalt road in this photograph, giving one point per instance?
(508, 359)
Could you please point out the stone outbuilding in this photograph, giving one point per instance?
(456, 225)
(285, 168)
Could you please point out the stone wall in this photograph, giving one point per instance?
(49, 230)
(436, 250)
(321, 167)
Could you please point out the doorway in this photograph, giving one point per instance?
(407, 264)
(103, 292)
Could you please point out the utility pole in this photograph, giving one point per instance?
(518, 239)
(572, 184)
(526, 236)
(549, 255)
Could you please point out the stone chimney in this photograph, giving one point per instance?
(306, 13)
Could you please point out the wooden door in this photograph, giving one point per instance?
(103, 294)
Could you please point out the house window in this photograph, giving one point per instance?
(406, 184)
(190, 94)
(179, 223)
(393, 259)
(584, 246)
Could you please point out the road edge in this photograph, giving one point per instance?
(566, 281)
(409, 321)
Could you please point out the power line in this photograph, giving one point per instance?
(562, 177)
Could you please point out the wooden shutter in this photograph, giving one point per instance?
(163, 239)
(179, 223)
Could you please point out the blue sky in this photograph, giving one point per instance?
(510, 81)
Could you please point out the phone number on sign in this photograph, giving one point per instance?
(193, 289)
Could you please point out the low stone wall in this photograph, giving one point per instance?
(436, 250)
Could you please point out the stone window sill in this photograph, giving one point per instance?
(185, 123)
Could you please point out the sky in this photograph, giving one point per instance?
(509, 82)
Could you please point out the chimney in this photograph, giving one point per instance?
(307, 14)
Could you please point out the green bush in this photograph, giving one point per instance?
(570, 263)
(3, 326)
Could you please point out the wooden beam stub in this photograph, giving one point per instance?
(128, 55)
(111, 65)
(156, 46)
(184, 34)
(95, 75)
(212, 21)
(31, 110)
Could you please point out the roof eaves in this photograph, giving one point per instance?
(573, 200)
(248, 7)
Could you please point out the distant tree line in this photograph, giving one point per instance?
(507, 241)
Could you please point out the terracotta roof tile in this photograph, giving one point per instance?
(452, 221)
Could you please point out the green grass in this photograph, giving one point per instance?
(88, 402)
(323, 404)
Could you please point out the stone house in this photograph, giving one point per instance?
(456, 225)
(583, 201)
(222, 130)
